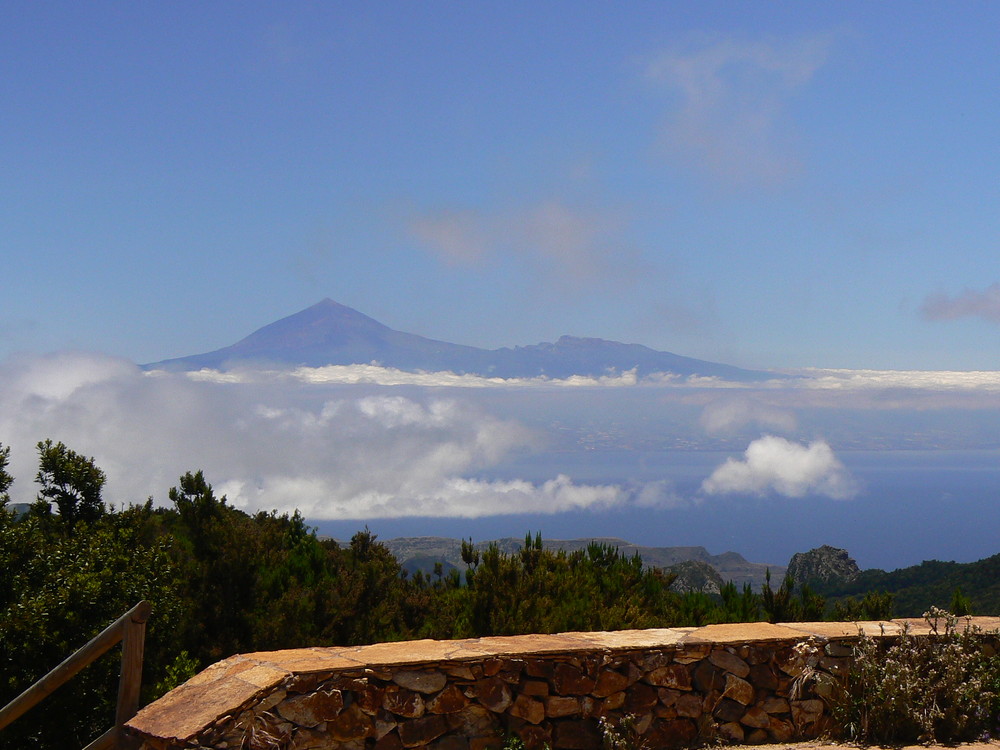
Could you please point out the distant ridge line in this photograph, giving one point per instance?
(329, 333)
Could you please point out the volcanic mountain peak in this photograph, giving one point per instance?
(329, 333)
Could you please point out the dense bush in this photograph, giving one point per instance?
(939, 688)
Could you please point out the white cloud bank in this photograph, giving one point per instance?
(352, 452)
(773, 464)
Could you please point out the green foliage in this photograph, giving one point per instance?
(70, 480)
(917, 588)
(873, 606)
(544, 591)
(57, 591)
(938, 688)
(6, 480)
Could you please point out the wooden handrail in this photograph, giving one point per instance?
(130, 629)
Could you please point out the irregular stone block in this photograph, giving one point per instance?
(780, 730)
(776, 705)
(307, 683)
(763, 676)
(667, 696)
(383, 727)
(692, 653)
(513, 666)
(673, 676)
(665, 712)
(529, 709)
(558, 706)
(448, 701)
(756, 717)
(729, 662)
(473, 721)
(706, 677)
(535, 687)
(570, 680)
(493, 693)
(389, 742)
(728, 710)
(405, 703)
(492, 667)
(738, 690)
(756, 737)
(460, 671)
(609, 682)
(420, 681)
(613, 702)
(641, 698)
(369, 698)
(731, 731)
(689, 705)
(351, 724)
(311, 709)
(422, 731)
(539, 667)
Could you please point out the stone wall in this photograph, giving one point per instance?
(747, 683)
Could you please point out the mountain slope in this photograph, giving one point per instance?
(932, 583)
(422, 552)
(329, 333)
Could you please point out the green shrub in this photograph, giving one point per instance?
(937, 688)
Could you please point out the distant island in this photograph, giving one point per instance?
(329, 333)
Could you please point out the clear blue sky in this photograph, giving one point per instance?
(767, 184)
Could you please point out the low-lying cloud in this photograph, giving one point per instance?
(775, 465)
(727, 416)
(971, 303)
(334, 452)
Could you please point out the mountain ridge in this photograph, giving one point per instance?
(421, 553)
(329, 333)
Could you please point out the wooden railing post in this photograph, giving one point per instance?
(133, 642)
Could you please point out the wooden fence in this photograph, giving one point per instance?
(130, 629)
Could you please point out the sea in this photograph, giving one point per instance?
(912, 505)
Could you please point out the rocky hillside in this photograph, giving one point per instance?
(824, 566)
(420, 553)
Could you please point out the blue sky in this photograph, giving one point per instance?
(766, 184)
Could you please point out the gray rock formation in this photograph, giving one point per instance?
(823, 565)
(695, 575)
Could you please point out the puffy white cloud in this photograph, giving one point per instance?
(774, 464)
(732, 97)
(333, 451)
(971, 303)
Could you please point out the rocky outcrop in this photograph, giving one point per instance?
(695, 575)
(823, 565)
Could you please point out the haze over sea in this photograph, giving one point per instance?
(917, 505)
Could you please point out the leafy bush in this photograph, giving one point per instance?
(937, 688)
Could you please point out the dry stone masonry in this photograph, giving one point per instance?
(745, 683)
